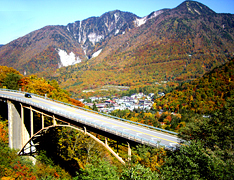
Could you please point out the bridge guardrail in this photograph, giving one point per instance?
(105, 128)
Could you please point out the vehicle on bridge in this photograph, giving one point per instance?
(27, 95)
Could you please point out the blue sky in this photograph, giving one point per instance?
(20, 17)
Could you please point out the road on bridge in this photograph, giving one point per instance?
(135, 130)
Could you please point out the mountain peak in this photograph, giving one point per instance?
(195, 8)
(92, 31)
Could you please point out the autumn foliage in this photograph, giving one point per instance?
(35, 85)
(203, 95)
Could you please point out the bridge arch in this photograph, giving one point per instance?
(30, 149)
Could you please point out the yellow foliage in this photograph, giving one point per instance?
(178, 115)
(148, 115)
(154, 106)
(180, 125)
(191, 98)
(135, 119)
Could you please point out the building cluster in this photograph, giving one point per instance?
(135, 101)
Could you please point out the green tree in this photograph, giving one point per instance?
(95, 107)
(12, 81)
(195, 161)
(209, 152)
(148, 156)
(99, 169)
(138, 171)
(217, 130)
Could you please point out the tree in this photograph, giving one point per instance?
(95, 107)
(195, 161)
(148, 156)
(76, 102)
(99, 169)
(209, 152)
(138, 172)
(11, 81)
(217, 130)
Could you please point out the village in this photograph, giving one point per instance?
(135, 101)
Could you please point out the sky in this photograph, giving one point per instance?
(20, 17)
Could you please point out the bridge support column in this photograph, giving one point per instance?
(85, 131)
(106, 141)
(18, 134)
(129, 152)
(31, 122)
(42, 121)
(24, 132)
(54, 121)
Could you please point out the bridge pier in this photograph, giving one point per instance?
(31, 122)
(129, 152)
(42, 121)
(18, 134)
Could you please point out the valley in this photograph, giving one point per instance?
(172, 69)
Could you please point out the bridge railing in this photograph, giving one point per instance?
(96, 125)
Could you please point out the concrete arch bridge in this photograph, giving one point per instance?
(23, 132)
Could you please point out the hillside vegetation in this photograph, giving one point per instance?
(67, 154)
(204, 95)
(209, 155)
(12, 79)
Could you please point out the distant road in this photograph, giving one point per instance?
(96, 120)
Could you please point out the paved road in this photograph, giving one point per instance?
(125, 128)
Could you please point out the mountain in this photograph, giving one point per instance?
(56, 46)
(120, 48)
(97, 29)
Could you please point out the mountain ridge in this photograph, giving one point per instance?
(191, 39)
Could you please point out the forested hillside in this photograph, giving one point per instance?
(209, 155)
(204, 95)
(12, 79)
(66, 154)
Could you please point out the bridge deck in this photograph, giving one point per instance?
(123, 129)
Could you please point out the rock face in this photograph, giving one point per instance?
(95, 30)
